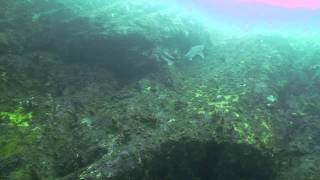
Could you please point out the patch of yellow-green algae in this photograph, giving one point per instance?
(259, 133)
(15, 139)
(12, 143)
(212, 100)
(17, 117)
(16, 145)
(249, 126)
(22, 173)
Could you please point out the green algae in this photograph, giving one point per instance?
(18, 117)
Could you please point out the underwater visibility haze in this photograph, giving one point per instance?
(159, 90)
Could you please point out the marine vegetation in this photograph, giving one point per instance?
(18, 117)
(157, 90)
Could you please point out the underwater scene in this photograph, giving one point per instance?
(159, 90)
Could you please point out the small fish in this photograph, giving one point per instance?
(195, 51)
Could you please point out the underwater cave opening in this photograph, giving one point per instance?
(194, 160)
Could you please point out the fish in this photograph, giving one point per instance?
(195, 51)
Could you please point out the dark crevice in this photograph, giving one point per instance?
(192, 160)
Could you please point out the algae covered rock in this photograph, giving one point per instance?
(143, 90)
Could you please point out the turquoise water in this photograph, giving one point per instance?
(158, 90)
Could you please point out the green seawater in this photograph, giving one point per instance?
(155, 90)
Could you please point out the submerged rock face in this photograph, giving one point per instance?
(119, 34)
(113, 96)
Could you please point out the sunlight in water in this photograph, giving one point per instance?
(313, 4)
